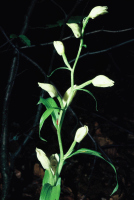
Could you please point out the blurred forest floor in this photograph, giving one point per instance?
(81, 178)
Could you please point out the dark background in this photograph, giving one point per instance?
(115, 103)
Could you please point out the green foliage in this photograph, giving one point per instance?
(12, 36)
(46, 192)
(48, 178)
(45, 115)
(51, 105)
(25, 40)
(56, 70)
(95, 153)
(50, 192)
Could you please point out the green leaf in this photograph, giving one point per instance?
(86, 151)
(12, 36)
(50, 103)
(46, 192)
(25, 40)
(43, 118)
(56, 70)
(50, 192)
(56, 190)
(48, 178)
(91, 95)
(95, 153)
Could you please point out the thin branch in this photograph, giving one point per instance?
(6, 176)
(104, 50)
(60, 7)
(22, 54)
(72, 36)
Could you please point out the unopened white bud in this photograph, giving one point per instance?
(59, 46)
(98, 10)
(76, 29)
(102, 81)
(66, 98)
(49, 88)
(45, 162)
(81, 133)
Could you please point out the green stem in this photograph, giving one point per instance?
(83, 84)
(62, 112)
(70, 150)
(66, 61)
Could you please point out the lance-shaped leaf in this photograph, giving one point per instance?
(50, 103)
(50, 192)
(55, 194)
(45, 115)
(56, 70)
(48, 178)
(12, 36)
(95, 153)
(25, 40)
(46, 192)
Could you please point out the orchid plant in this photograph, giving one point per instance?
(51, 184)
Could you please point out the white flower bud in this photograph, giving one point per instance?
(98, 10)
(57, 157)
(102, 81)
(59, 46)
(66, 99)
(81, 133)
(49, 88)
(43, 159)
(76, 29)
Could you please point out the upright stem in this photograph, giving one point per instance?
(62, 113)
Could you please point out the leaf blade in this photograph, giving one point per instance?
(25, 40)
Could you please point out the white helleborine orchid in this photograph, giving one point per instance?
(59, 46)
(49, 88)
(102, 81)
(81, 133)
(76, 29)
(45, 162)
(98, 10)
(66, 99)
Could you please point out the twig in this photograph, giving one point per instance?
(4, 136)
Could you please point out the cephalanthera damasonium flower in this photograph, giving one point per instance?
(102, 81)
(75, 28)
(49, 88)
(98, 10)
(59, 46)
(66, 96)
(81, 133)
(45, 162)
